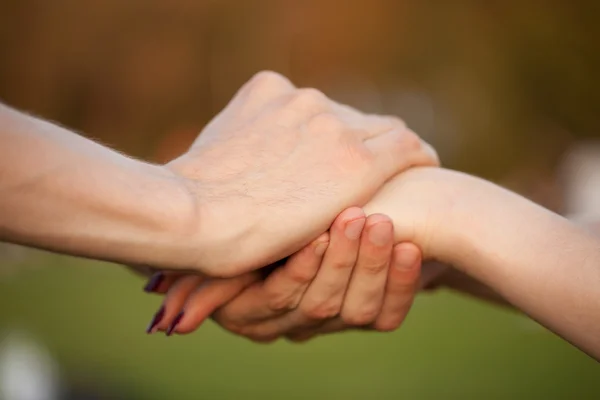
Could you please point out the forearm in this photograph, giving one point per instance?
(65, 193)
(459, 281)
(538, 261)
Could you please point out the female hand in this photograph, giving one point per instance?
(352, 277)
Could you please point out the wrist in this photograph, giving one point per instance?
(421, 202)
(168, 215)
(216, 226)
(139, 216)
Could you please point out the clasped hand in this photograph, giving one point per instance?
(352, 276)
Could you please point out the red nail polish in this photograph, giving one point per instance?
(174, 324)
(156, 319)
(154, 282)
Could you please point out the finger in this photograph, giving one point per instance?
(397, 150)
(368, 285)
(264, 323)
(249, 307)
(206, 299)
(161, 282)
(174, 301)
(272, 328)
(282, 290)
(286, 285)
(364, 298)
(402, 286)
(323, 298)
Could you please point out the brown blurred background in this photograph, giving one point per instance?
(502, 89)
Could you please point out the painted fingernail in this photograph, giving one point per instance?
(154, 282)
(405, 258)
(174, 324)
(156, 320)
(321, 248)
(354, 229)
(380, 234)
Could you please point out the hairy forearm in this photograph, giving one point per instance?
(537, 260)
(65, 193)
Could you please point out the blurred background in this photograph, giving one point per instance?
(505, 90)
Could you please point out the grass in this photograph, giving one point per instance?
(93, 315)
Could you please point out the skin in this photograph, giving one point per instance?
(279, 161)
(373, 287)
(536, 260)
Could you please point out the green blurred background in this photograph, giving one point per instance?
(502, 89)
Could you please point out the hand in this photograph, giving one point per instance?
(275, 167)
(371, 288)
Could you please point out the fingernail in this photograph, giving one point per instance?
(380, 234)
(156, 320)
(405, 259)
(354, 229)
(321, 248)
(174, 324)
(154, 282)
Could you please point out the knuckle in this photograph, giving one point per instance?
(341, 264)
(431, 154)
(411, 140)
(326, 123)
(299, 338)
(301, 275)
(259, 334)
(267, 79)
(321, 311)
(359, 317)
(307, 97)
(232, 327)
(396, 122)
(398, 143)
(280, 303)
(228, 319)
(374, 267)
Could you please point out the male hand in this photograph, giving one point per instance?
(275, 167)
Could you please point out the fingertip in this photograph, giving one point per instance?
(189, 323)
(348, 215)
(175, 299)
(154, 282)
(406, 256)
(379, 232)
(320, 245)
(156, 319)
(388, 324)
(352, 225)
(377, 218)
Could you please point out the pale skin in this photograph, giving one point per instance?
(536, 260)
(281, 163)
(266, 176)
